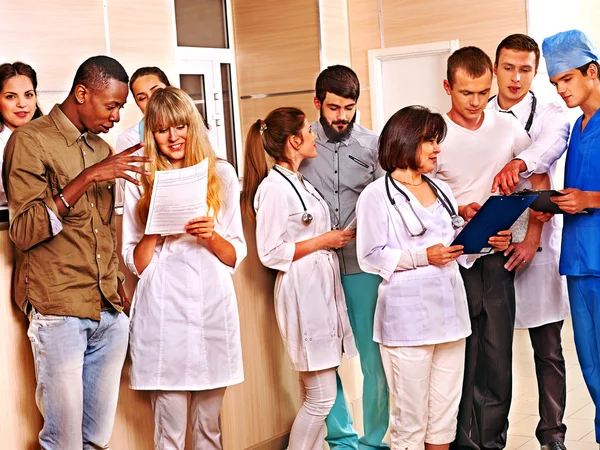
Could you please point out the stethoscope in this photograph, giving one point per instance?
(307, 217)
(457, 221)
(531, 113)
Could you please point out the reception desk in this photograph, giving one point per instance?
(256, 414)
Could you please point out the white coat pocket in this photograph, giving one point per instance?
(405, 314)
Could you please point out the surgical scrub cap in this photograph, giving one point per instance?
(568, 50)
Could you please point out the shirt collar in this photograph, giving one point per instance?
(67, 128)
(520, 110)
(287, 172)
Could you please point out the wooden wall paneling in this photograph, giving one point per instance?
(258, 108)
(20, 420)
(481, 23)
(277, 46)
(54, 37)
(335, 33)
(363, 18)
(142, 33)
(265, 404)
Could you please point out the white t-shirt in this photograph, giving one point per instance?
(470, 159)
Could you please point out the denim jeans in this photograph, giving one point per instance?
(78, 366)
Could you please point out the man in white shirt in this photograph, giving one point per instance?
(477, 146)
(542, 302)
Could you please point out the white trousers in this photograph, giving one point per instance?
(318, 390)
(171, 419)
(426, 386)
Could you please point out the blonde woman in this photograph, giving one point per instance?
(185, 337)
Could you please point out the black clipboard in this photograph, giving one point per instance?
(542, 203)
(497, 213)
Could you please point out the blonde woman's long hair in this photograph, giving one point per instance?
(172, 107)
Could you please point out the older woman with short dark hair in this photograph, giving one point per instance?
(406, 222)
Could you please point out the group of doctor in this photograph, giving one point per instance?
(443, 321)
(359, 229)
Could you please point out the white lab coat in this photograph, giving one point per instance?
(4, 135)
(541, 293)
(185, 331)
(309, 300)
(128, 138)
(422, 306)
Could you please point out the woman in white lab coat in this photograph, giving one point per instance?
(406, 222)
(143, 83)
(294, 236)
(18, 104)
(185, 332)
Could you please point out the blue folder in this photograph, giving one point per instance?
(497, 213)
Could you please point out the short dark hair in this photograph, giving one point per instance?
(339, 80)
(9, 70)
(472, 60)
(96, 72)
(583, 69)
(145, 71)
(404, 133)
(520, 43)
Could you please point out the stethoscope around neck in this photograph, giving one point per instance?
(457, 221)
(531, 112)
(307, 217)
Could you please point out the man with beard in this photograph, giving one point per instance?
(346, 163)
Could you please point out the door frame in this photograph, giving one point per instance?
(376, 58)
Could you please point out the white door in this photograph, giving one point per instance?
(408, 75)
(198, 79)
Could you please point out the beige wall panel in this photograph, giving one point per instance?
(363, 18)
(63, 34)
(364, 104)
(20, 420)
(258, 108)
(142, 33)
(277, 45)
(481, 23)
(266, 403)
(335, 33)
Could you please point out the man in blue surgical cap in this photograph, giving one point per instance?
(572, 64)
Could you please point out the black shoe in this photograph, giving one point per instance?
(557, 445)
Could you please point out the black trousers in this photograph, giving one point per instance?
(487, 387)
(552, 388)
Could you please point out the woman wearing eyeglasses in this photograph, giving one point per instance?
(406, 222)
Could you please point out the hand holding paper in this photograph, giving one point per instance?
(178, 196)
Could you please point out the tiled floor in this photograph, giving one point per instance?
(524, 410)
(523, 415)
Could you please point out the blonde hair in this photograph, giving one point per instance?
(171, 107)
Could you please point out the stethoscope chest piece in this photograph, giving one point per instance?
(458, 222)
(307, 218)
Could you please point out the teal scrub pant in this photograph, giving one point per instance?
(584, 297)
(361, 297)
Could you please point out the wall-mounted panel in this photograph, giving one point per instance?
(142, 33)
(277, 45)
(54, 37)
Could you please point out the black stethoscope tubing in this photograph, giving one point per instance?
(529, 122)
(441, 196)
(307, 217)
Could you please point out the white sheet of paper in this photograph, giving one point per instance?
(178, 196)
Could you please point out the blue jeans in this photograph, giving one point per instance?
(584, 297)
(361, 298)
(78, 366)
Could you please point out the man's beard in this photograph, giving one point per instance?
(332, 132)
